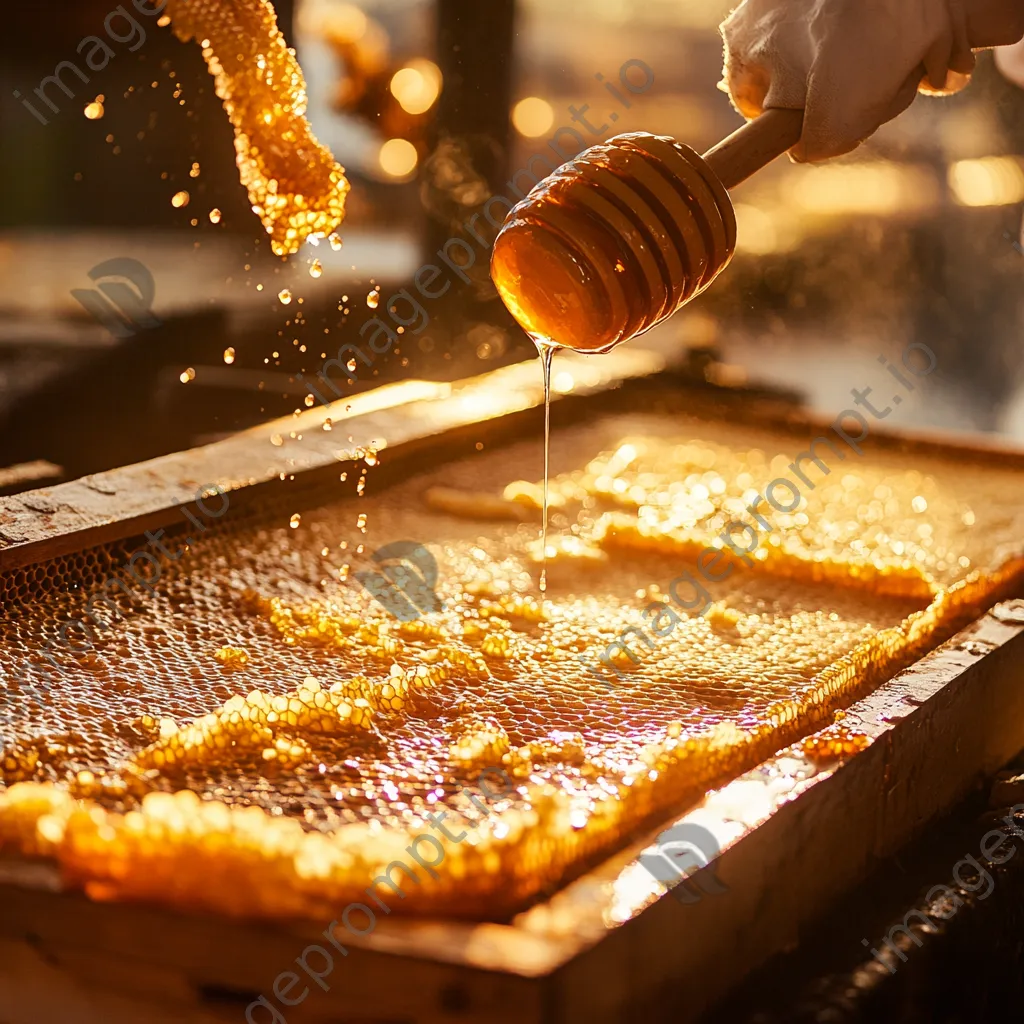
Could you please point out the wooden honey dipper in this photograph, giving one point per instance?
(628, 231)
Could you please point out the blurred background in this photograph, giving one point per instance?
(432, 106)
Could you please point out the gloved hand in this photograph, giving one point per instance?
(852, 65)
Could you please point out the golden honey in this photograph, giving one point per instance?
(295, 186)
(262, 720)
(613, 242)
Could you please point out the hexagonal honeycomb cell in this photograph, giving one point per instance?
(266, 713)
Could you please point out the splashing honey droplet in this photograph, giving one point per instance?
(335, 241)
(284, 296)
(94, 111)
(316, 268)
(229, 356)
(215, 216)
(180, 199)
(295, 520)
(373, 299)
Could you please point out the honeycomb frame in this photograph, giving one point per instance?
(668, 758)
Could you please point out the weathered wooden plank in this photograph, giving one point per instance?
(124, 502)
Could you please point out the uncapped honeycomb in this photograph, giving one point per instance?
(260, 736)
(295, 186)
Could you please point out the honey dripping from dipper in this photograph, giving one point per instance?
(607, 246)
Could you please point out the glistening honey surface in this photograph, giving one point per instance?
(615, 240)
(295, 186)
(304, 733)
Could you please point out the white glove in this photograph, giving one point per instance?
(851, 64)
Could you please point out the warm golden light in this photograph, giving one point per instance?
(563, 383)
(398, 158)
(990, 181)
(755, 230)
(417, 86)
(872, 187)
(348, 22)
(533, 116)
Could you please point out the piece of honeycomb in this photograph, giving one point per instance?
(295, 186)
(167, 767)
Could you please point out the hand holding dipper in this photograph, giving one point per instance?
(628, 231)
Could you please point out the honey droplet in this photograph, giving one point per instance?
(315, 268)
(335, 240)
(229, 356)
(373, 298)
(309, 400)
(180, 199)
(284, 296)
(276, 440)
(327, 424)
(215, 216)
(94, 110)
(194, 173)
(294, 521)
(186, 375)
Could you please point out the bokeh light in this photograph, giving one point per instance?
(533, 116)
(398, 158)
(417, 86)
(990, 181)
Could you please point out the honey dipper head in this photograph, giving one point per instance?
(613, 241)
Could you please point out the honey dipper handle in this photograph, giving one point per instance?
(757, 143)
